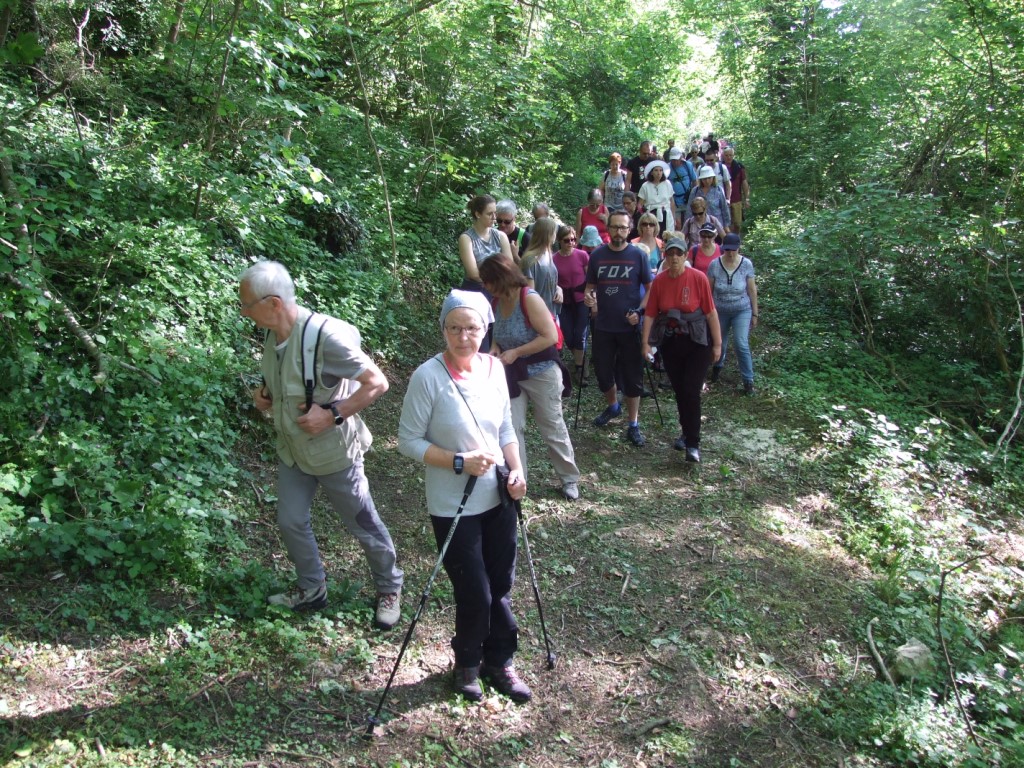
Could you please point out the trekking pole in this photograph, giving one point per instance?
(654, 388)
(533, 581)
(654, 391)
(583, 367)
(375, 717)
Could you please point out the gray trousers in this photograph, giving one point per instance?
(349, 494)
(544, 392)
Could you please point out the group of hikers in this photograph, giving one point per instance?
(635, 290)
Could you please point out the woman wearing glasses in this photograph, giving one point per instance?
(457, 420)
(701, 255)
(571, 263)
(701, 218)
(680, 298)
(648, 228)
(524, 340)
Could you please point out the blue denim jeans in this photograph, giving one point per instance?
(739, 322)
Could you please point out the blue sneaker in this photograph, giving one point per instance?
(636, 436)
(609, 413)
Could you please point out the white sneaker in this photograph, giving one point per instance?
(297, 599)
(389, 610)
(571, 491)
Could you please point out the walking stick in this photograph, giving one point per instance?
(654, 391)
(583, 368)
(533, 581)
(374, 719)
(650, 381)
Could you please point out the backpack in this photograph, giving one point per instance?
(681, 184)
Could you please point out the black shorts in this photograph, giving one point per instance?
(619, 352)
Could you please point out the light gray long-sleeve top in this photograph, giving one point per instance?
(434, 413)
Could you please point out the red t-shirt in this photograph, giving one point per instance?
(686, 293)
(588, 219)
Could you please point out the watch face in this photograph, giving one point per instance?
(457, 464)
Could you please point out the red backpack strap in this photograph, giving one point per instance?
(522, 306)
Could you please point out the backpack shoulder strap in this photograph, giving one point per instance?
(312, 332)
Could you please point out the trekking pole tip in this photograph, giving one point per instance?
(371, 723)
(551, 659)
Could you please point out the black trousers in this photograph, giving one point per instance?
(481, 564)
(686, 364)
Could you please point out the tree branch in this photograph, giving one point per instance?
(945, 650)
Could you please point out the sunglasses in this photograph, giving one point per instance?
(505, 221)
(568, 239)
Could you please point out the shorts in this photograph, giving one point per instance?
(619, 352)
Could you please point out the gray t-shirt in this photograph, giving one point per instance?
(731, 288)
(434, 413)
(544, 274)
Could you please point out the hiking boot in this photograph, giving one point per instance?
(507, 682)
(716, 373)
(389, 609)
(466, 682)
(609, 413)
(571, 491)
(748, 387)
(311, 599)
(693, 454)
(680, 443)
(636, 436)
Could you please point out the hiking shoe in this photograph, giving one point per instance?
(645, 392)
(609, 413)
(506, 681)
(389, 610)
(311, 599)
(680, 443)
(748, 387)
(693, 454)
(636, 436)
(716, 373)
(571, 491)
(466, 682)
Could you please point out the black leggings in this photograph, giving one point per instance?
(481, 564)
(686, 364)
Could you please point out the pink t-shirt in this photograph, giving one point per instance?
(572, 271)
(701, 262)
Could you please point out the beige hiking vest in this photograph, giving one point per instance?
(331, 451)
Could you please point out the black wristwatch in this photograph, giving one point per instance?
(458, 464)
(338, 418)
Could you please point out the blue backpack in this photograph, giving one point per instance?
(682, 178)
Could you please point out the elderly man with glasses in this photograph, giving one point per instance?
(316, 381)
